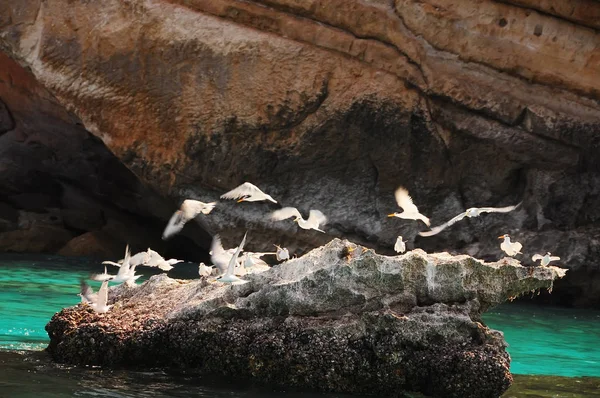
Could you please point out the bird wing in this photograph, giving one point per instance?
(198, 207)
(440, 228)
(138, 258)
(554, 258)
(103, 295)
(111, 263)
(233, 260)
(153, 258)
(246, 189)
(175, 224)
(537, 257)
(287, 212)
(516, 246)
(499, 209)
(87, 292)
(218, 255)
(405, 201)
(173, 261)
(124, 270)
(316, 216)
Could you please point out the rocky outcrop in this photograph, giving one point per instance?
(340, 318)
(333, 104)
(60, 186)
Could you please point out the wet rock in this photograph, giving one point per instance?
(365, 324)
(93, 244)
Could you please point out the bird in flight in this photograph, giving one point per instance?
(98, 301)
(188, 210)
(545, 259)
(409, 210)
(229, 275)
(471, 212)
(315, 218)
(247, 193)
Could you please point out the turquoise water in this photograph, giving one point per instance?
(545, 344)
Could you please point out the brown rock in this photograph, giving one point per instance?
(332, 105)
(94, 244)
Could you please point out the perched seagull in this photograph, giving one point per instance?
(203, 270)
(156, 260)
(545, 259)
(219, 256)
(400, 246)
(228, 276)
(102, 277)
(96, 301)
(471, 212)
(409, 210)
(315, 218)
(510, 248)
(282, 253)
(188, 210)
(247, 193)
(251, 260)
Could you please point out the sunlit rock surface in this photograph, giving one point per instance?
(332, 320)
(333, 104)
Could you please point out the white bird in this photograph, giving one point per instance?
(247, 193)
(229, 276)
(188, 210)
(98, 301)
(409, 210)
(400, 246)
(471, 212)
(127, 272)
(251, 260)
(282, 253)
(156, 260)
(139, 258)
(545, 259)
(102, 277)
(218, 255)
(510, 248)
(204, 270)
(315, 218)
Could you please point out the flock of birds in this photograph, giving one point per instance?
(228, 266)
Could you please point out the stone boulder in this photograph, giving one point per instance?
(340, 318)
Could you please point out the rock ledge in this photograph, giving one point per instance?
(333, 320)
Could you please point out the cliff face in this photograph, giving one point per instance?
(333, 104)
(330, 321)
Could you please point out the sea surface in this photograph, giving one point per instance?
(555, 351)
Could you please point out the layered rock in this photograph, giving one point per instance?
(340, 318)
(332, 104)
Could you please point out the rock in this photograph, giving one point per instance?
(332, 107)
(340, 320)
(36, 233)
(6, 121)
(94, 244)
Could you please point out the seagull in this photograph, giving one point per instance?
(127, 272)
(545, 259)
(400, 246)
(102, 277)
(471, 212)
(156, 260)
(510, 248)
(228, 276)
(98, 300)
(315, 218)
(188, 210)
(219, 256)
(247, 193)
(410, 211)
(282, 253)
(203, 270)
(251, 260)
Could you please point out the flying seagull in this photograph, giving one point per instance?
(247, 193)
(400, 246)
(229, 277)
(98, 300)
(102, 277)
(545, 259)
(510, 248)
(471, 212)
(409, 210)
(219, 256)
(188, 210)
(156, 260)
(315, 218)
